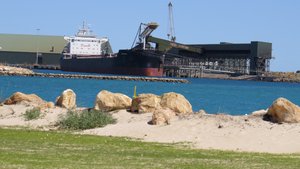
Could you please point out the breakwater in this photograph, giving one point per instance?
(99, 77)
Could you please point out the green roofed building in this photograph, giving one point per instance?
(31, 49)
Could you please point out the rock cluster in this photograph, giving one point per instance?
(163, 107)
(145, 103)
(14, 70)
(283, 76)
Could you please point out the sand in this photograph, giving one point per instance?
(221, 132)
(13, 115)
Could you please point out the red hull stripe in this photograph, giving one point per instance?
(124, 71)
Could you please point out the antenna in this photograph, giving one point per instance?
(171, 34)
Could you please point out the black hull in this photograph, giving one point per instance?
(127, 62)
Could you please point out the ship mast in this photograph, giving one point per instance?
(85, 31)
(171, 34)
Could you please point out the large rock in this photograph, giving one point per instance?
(282, 110)
(176, 102)
(28, 99)
(67, 99)
(108, 101)
(145, 103)
(162, 116)
(19, 97)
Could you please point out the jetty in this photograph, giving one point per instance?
(98, 77)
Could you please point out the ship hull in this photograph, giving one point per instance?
(127, 62)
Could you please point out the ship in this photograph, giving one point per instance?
(85, 52)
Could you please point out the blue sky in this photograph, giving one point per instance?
(196, 21)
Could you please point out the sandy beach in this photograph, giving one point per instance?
(202, 131)
(222, 132)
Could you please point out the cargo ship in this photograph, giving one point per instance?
(85, 52)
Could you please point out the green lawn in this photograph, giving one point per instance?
(39, 149)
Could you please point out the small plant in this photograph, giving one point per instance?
(33, 113)
(75, 120)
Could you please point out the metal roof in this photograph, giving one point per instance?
(32, 43)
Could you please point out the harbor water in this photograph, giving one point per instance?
(212, 95)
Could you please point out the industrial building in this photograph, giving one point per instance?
(25, 50)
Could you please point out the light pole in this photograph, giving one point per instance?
(37, 47)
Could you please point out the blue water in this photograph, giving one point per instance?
(212, 95)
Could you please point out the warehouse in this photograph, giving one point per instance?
(31, 49)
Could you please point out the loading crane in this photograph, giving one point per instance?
(143, 32)
(171, 34)
(143, 41)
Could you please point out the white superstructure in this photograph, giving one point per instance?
(84, 43)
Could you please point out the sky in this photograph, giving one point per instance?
(195, 22)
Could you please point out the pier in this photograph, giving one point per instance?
(98, 77)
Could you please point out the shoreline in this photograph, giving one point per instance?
(288, 77)
(280, 77)
(244, 133)
(16, 71)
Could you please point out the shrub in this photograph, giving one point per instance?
(75, 120)
(33, 113)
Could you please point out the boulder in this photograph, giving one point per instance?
(108, 101)
(162, 116)
(19, 97)
(28, 99)
(282, 110)
(67, 99)
(145, 103)
(176, 102)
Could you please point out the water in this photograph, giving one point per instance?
(212, 95)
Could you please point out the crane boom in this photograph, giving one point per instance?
(171, 34)
(165, 45)
(149, 28)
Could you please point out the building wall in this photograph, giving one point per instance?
(22, 49)
(29, 58)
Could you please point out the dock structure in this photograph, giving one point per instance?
(98, 77)
(191, 60)
(239, 58)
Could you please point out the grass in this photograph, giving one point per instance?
(33, 113)
(75, 120)
(36, 149)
